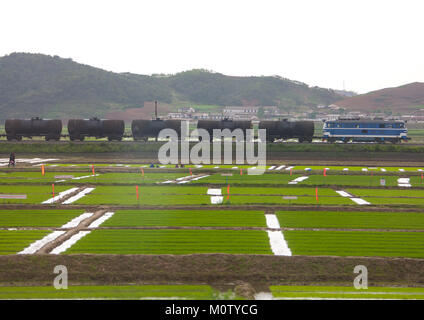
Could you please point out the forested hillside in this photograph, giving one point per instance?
(41, 85)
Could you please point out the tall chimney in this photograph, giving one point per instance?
(156, 109)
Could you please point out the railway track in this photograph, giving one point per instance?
(99, 141)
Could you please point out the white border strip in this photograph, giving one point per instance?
(60, 196)
(76, 221)
(78, 195)
(298, 179)
(69, 243)
(37, 245)
(359, 201)
(344, 194)
(356, 200)
(102, 219)
(277, 242)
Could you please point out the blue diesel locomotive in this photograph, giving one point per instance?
(365, 130)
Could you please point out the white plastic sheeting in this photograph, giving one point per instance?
(344, 194)
(83, 177)
(356, 200)
(280, 167)
(359, 201)
(278, 244)
(76, 221)
(217, 199)
(37, 245)
(60, 196)
(102, 219)
(272, 221)
(214, 192)
(404, 182)
(69, 243)
(297, 180)
(201, 177)
(79, 195)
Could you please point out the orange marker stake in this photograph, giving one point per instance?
(53, 189)
(325, 172)
(42, 169)
(316, 193)
(142, 171)
(290, 171)
(92, 169)
(228, 192)
(241, 172)
(136, 190)
(190, 172)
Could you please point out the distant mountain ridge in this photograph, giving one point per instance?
(50, 86)
(404, 99)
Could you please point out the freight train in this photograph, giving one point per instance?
(79, 129)
(343, 130)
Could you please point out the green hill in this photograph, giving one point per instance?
(46, 86)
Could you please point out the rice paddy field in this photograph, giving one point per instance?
(186, 292)
(323, 292)
(292, 212)
(173, 242)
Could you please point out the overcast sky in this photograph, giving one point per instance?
(366, 44)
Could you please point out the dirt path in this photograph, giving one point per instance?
(267, 208)
(70, 232)
(214, 269)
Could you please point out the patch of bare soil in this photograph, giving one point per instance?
(244, 289)
(215, 269)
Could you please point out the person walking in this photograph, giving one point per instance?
(12, 159)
